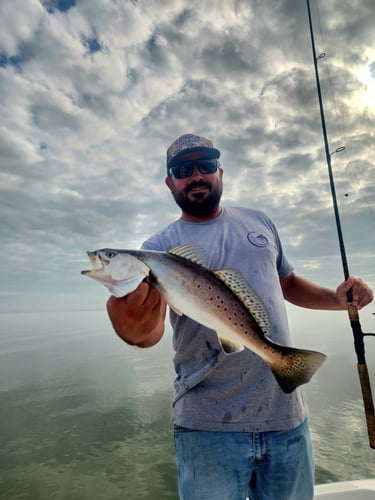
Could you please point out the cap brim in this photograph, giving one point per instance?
(207, 152)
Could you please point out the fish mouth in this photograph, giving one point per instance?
(97, 261)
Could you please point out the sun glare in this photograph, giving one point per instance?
(367, 77)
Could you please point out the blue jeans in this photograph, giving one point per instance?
(239, 465)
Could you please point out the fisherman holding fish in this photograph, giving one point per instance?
(241, 426)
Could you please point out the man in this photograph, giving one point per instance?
(236, 433)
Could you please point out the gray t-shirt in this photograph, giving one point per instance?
(231, 392)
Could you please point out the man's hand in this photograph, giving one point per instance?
(138, 318)
(361, 293)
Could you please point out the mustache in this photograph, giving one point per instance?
(197, 184)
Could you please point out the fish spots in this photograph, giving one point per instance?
(296, 367)
(248, 297)
(220, 303)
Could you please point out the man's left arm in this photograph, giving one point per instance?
(305, 293)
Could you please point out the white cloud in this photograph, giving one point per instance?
(91, 98)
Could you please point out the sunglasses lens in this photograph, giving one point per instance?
(207, 166)
(186, 168)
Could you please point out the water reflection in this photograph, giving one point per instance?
(84, 416)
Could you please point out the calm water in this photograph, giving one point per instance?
(83, 416)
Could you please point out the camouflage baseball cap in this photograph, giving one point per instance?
(189, 143)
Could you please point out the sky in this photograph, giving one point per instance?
(92, 92)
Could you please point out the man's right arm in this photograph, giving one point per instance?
(138, 318)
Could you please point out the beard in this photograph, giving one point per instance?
(200, 204)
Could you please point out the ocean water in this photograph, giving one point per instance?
(84, 416)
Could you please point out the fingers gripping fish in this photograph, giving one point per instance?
(221, 300)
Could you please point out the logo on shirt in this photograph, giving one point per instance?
(258, 240)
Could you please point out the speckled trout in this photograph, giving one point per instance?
(221, 300)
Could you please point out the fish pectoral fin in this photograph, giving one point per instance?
(230, 346)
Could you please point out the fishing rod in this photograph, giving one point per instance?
(352, 311)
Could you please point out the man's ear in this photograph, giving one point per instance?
(169, 183)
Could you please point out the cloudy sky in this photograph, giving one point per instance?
(92, 92)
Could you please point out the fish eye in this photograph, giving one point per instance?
(110, 254)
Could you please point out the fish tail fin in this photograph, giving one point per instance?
(295, 367)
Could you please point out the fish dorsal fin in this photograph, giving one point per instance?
(193, 253)
(234, 280)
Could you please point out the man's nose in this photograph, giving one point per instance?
(197, 174)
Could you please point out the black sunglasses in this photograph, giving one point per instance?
(185, 168)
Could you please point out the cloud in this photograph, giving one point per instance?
(93, 92)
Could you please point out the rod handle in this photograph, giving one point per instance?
(352, 311)
(367, 402)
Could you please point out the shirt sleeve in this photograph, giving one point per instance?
(284, 268)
